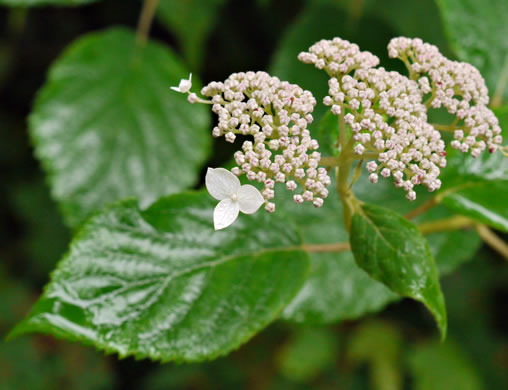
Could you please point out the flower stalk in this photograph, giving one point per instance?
(145, 21)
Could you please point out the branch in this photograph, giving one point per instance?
(329, 161)
(320, 248)
(446, 224)
(145, 21)
(492, 240)
(440, 127)
(424, 207)
(497, 100)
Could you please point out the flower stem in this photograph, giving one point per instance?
(424, 207)
(492, 240)
(145, 21)
(440, 127)
(446, 224)
(440, 225)
(497, 100)
(342, 172)
(333, 247)
(329, 161)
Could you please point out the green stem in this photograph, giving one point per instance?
(145, 21)
(497, 100)
(432, 202)
(440, 225)
(490, 238)
(446, 224)
(440, 127)
(342, 172)
(329, 161)
(333, 247)
(428, 102)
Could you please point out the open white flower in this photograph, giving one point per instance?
(184, 86)
(225, 186)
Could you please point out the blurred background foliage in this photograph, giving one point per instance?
(394, 349)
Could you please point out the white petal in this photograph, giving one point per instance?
(221, 183)
(225, 213)
(249, 199)
(185, 85)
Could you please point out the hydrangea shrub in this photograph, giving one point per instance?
(188, 276)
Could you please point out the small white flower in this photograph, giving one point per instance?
(225, 187)
(184, 86)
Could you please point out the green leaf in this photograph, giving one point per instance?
(337, 289)
(163, 284)
(106, 125)
(477, 31)
(309, 352)
(328, 134)
(34, 3)
(484, 202)
(393, 251)
(442, 367)
(478, 187)
(191, 21)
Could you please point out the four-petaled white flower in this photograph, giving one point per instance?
(184, 86)
(225, 186)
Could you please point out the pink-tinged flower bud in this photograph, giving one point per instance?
(298, 199)
(270, 207)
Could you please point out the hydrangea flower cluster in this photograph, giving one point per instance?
(457, 86)
(338, 56)
(387, 117)
(276, 114)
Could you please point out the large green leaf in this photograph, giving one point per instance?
(34, 3)
(478, 187)
(392, 250)
(163, 284)
(477, 30)
(190, 21)
(107, 126)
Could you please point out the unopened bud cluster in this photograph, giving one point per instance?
(338, 56)
(457, 86)
(388, 120)
(276, 114)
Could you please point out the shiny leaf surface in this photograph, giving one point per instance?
(477, 31)
(392, 250)
(106, 125)
(163, 284)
